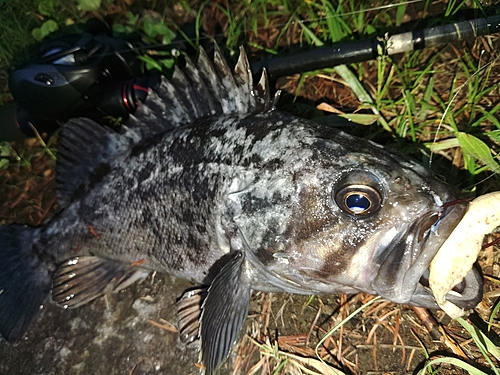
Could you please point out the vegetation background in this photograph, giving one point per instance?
(438, 105)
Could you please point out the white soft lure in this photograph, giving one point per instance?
(457, 255)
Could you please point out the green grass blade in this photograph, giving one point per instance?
(452, 361)
(340, 324)
(361, 118)
(477, 149)
(360, 92)
(483, 342)
(309, 33)
(442, 145)
(494, 312)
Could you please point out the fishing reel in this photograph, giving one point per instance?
(96, 76)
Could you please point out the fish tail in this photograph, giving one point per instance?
(25, 280)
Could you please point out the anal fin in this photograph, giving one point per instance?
(81, 279)
(223, 312)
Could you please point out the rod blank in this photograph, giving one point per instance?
(325, 57)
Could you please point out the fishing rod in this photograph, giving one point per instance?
(347, 53)
(98, 76)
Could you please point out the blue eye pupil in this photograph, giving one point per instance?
(357, 203)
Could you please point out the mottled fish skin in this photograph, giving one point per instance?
(177, 203)
(209, 183)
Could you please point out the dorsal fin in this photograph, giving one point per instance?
(87, 149)
(207, 88)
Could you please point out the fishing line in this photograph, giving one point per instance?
(364, 50)
(470, 187)
(76, 54)
(160, 46)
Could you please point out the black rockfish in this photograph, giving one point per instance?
(210, 183)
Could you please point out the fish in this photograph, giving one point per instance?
(209, 182)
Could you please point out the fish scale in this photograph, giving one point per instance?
(210, 183)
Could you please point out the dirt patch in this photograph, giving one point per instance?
(109, 336)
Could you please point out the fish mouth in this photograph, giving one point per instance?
(403, 274)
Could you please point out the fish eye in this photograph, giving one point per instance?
(358, 200)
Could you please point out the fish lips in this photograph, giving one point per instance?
(403, 274)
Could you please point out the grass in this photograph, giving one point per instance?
(17, 20)
(438, 105)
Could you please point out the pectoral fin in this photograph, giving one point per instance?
(223, 313)
(81, 279)
(189, 311)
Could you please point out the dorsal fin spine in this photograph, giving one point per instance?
(206, 89)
